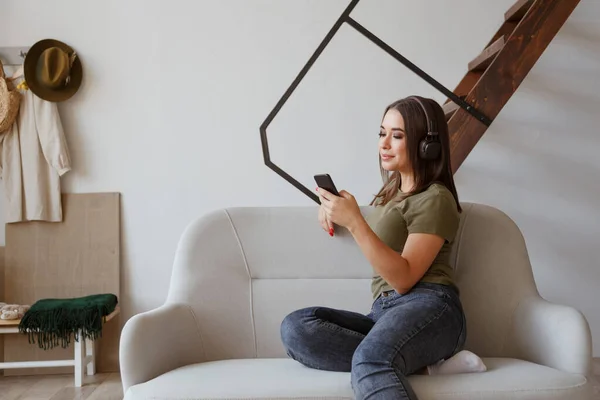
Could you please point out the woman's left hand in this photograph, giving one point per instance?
(342, 210)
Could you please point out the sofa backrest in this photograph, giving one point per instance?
(243, 269)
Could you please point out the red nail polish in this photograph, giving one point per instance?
(331, 232)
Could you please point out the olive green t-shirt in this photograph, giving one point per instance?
(432, 211)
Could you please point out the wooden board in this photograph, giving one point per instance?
(483, 60)
(2, 299)
(76, 257)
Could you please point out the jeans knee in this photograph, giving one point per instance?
(374, 354)
(292, 331)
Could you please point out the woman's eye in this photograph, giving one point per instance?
(398, 137)
(381, 134)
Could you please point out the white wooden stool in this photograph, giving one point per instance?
(85, 356)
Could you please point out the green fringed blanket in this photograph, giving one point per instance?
(53, 321)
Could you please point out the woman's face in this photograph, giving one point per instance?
(392, 142)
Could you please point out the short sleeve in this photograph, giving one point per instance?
(436, 213)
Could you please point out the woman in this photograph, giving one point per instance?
(416, 320)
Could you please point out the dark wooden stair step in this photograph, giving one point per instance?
(483, 60)
(505, 30)
(518, 10)
(449, 109)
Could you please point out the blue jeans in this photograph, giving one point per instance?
(401, 335)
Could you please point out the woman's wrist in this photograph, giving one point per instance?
(358, 227)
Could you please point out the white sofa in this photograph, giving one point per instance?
(238, 272)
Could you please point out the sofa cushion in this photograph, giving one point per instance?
(286, 379)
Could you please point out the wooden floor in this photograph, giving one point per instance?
(106, 387)
(60, 387)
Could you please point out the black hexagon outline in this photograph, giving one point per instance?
(346, 18)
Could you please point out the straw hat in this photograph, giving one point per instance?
(9, 103)
(52, 70)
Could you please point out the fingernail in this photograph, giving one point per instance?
(331, 232)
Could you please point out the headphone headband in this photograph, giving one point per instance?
(430, 128)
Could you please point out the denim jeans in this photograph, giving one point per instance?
(402, 334)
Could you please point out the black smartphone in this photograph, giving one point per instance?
(324, 181)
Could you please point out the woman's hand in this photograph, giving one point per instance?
(342, 210)
(326, 224)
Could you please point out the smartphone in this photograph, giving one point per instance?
(324, 181)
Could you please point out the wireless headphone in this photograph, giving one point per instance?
(430, 148)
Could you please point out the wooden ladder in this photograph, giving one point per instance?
(494, 75)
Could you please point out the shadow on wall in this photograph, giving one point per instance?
(561, 234)
(549, 166)
(532, 161)
(563, 88)
(583, 33)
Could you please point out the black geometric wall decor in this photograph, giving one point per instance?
(346, 18)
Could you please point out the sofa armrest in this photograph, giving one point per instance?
(158, 341)
(553, 335)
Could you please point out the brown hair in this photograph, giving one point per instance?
(426, 172)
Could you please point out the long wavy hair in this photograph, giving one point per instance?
(426, 172)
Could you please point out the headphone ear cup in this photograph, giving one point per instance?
(430, 150)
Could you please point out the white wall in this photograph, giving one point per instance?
(174, 93)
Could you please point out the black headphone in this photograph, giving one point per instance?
(430, 148)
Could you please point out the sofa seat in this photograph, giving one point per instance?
(286, 379)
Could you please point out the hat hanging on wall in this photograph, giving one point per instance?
(52, 70)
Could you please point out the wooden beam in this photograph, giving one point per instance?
(518, 10)
(510, 67)
(483, 60)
